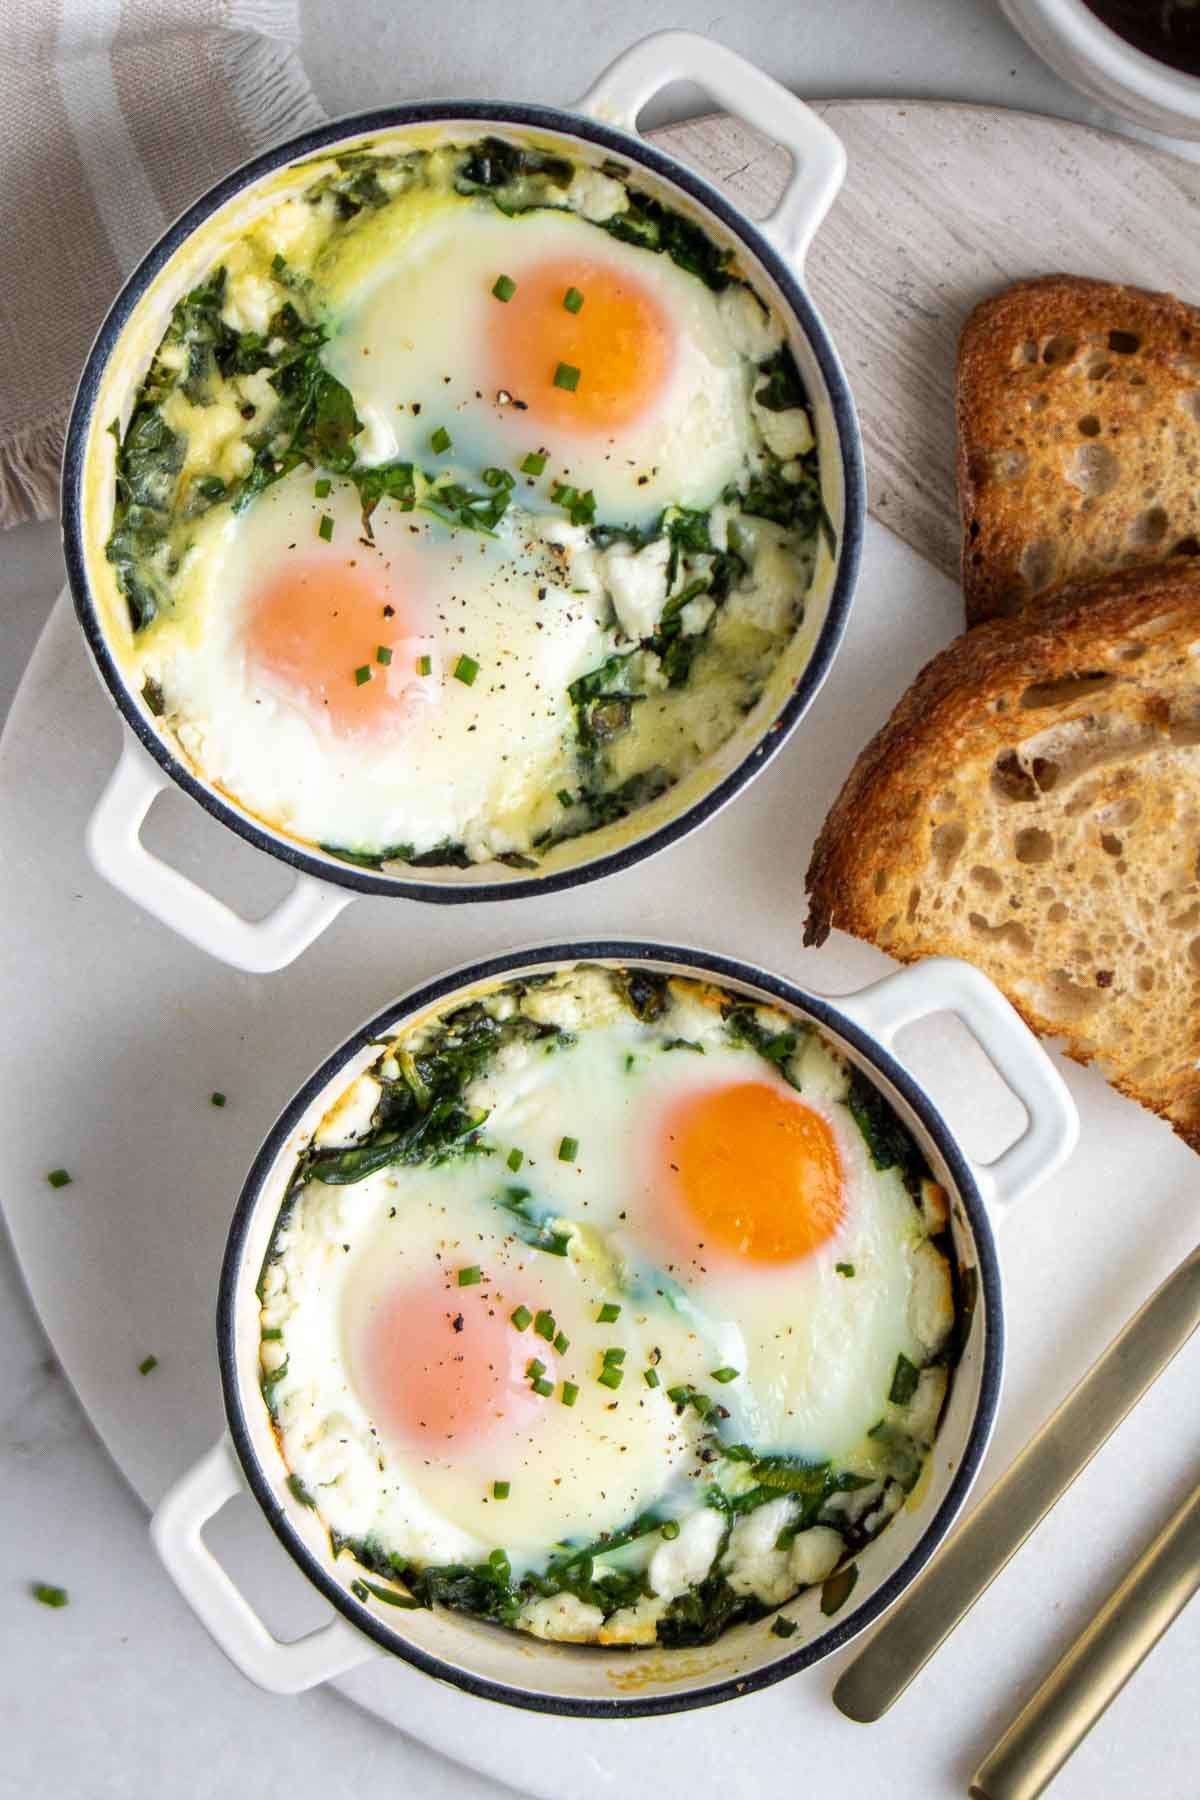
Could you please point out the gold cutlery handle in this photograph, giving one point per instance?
(1097, 1666)
(923, 1619)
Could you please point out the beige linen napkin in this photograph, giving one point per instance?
(114, 115)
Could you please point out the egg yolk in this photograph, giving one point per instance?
(316, 631)
(442, 1366)
(620, 341)
(751, 1171)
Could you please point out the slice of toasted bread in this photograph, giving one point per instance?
(1033, 804)
(1078, 437)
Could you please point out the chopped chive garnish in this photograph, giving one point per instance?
(566, 376)
(562, 1343)
(703, 1404)
(504, 287)
(465, 670)
(321, 488)
(565, 799)
(515, 1159)
(543, 1324)
(543, 1388)
(534, 1367)
(568, 1149)
(669, 1529)
(650, 1377)
(424, 665)
(58, 1178)
(521, 1318)
(147, 1363)
(784, 1627)
(844, 1268)
(325, 528)
(608, 1312)
(272, 1335)
(573, 299)
(48, 1595)
(680, 1395)
(534, 463)
(383, 655)
(501, 1489)
(610, 1376)
(725, 1373)
(216, 1098)
(570, 1393)
(470, 1277)
(362, 675)
(613, 1355)
(439, 440)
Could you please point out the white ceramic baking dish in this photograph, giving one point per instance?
(558, 1678)
(601, 125)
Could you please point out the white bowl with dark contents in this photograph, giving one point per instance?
(1142, 61)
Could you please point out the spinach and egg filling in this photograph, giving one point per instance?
(610, 1308)
(468, 504)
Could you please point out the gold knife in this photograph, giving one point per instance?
(923, 1618)
(1097, 1666)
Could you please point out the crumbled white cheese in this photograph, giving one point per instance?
(635, 1624)
(377, 442)
(561, 1616)
(935, 1206)
(679, 1564)
(751, 328)
(819, 1072)
(854, 1502)
(786, 434)
(931, 1298)
(695, 615)
(752, 1564)
(588, 996)
(893, 1495)
(814, 1554)
(921, 1413)
(777, 581)
(597, 197)
(249, 303)
(637, 584)
(351, 1114)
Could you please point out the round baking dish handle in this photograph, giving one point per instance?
(945, 984)
(222, 1608)
(256, 945)
(818, 158)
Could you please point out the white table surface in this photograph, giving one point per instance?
(122, 1695)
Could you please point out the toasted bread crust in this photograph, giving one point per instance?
(1047, 833)
(1078, 412)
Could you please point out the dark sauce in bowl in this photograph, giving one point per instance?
(1168, 30)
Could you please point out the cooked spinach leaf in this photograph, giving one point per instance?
(525, 1223)
(890, 1145)
(782, 388)
(421, 1115)
(653, 226)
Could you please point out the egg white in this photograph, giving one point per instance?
(410, 346)
(815, 1348)
(479, 764)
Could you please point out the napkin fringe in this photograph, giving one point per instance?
(256, 53)
(30, 462)
(270, 89)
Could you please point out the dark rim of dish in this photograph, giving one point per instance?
(637, 153)
(878, 1063)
